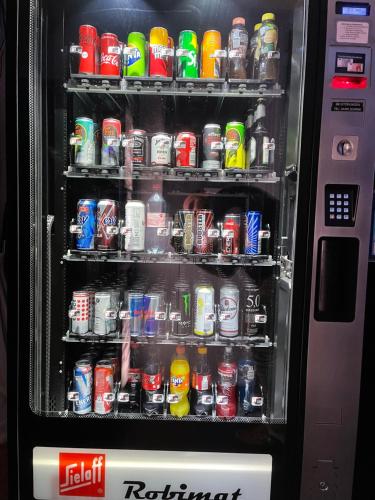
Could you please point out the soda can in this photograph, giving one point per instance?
(252, 226)
(87, 41)
(186, 150)
(84, 153)
(158, 61)
(231, 241)
(136, 62)
(135, 304)
(81, 303)
(204, 303)
(211, 145)
(203, 222)
(109, 55)
(135, 224)
(229, 310)
(235, 154)
(111, 131)
(82, 383)
(86, 217)
(181, 300)
(170, 59)
(136, 148)
(210, 65)
(161, 150)
(106, 216)
(151, 304)
(103, 303)
(184, 221)
(103, 385)
(188, 64)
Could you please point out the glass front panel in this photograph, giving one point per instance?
(169, 147)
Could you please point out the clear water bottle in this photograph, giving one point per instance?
(156, 222)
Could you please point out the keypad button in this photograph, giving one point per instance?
(346, 196)
(346, 203)
(346, 217)
(332, 209)
(332, 216)
(339, 217)
(331, 203)
(339, 203)
(331, 195)
(338, 195)
(346, 210)
(338, 210)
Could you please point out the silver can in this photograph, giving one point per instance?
(229, 310)
(103, 303)
(81, 303)
(135, 211)
(211, 146)
(161, 150)
(204, 308)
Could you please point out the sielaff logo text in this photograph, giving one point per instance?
(138, 490)
(82, 474)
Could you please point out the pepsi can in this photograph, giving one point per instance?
(252, 226)
(135, 302)
(151, 302)
(86, 218)
(82, 383)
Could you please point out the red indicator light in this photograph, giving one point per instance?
(349, 82)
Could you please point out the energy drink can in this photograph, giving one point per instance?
(82, 383)
(107, 217)
(235, 154)
(151, 303)
(135, 304)
(103, 303)
(84, 153)
(111, 135)
(204, 219)
(204, 308)
(184, 222)
(181, 303)
(252, 226)
(86, 218)
(211, 146)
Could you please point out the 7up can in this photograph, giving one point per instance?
(188, 60)
(235, 154)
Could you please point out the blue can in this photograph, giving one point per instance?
(151, 302)
(135, 301)
(246, 385)
(252, 226)
(82, 383)
(86, 217)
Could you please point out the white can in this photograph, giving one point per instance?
(135, 226)
(103, 303)
(204, 310)
(229, 310)
(80, 320)
(161, 150)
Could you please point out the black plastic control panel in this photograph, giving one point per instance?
(341, 205)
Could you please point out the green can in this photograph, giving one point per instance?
(84, 130)
(235, 154)
(188, 63)
(136, 62)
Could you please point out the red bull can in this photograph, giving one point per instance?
(252, 226)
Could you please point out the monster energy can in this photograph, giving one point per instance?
(181, 304)
(235, 154)
(188, 60)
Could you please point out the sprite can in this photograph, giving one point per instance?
(235, 154)
(136, 60)
(188, 60)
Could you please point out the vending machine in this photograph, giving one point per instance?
(193, 184)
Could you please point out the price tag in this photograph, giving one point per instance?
(216, 146)
(72, 313)
(108, 396)
(125, 230)
(273, 54)
(222, 400)
(110, 314)
(270, 146)
(261, 318)
(209, 316)
(213, 233)
(207, 399)
(219, 53)
(129, 51)
(112, 141)
(114, 50)
(177, 232)
(167, 51)
(111, 230)
(173, 398)
(75, 141)
(123, 397)
(228, 233)
(162, 231)
(158, 398)
(256, 401)
(179, 144)
(124, 314)
(224, 316)
(182, 52)
(232, 145)
(128, 143)
(234, 53)
(175, 316)
(75, 229)
(73, 396)
(160, 315)
(75, 49)
(264, 234)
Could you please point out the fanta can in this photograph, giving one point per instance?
(179, 383)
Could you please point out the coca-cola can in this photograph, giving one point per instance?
(109, 55)
(161, 148)
(186, 150)
(231, 234)
(107, 219)
(87, 41)
(136, 148)
(103, 387)
(204, 220)
(211, 146)
(111, 137)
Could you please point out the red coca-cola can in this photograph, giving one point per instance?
(87, 41)
(186, 150)
(103, 388)
(204, 220)
(109, 55)
(231, 234)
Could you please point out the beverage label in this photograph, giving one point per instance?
(265, 151)
(227, 374)
(202, 382)
(135, 375)
(151, 382)
(155, 219)
(180, 382)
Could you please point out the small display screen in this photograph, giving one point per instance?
(352, 9)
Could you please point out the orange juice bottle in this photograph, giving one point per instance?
(179, 382)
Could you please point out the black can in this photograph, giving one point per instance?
(136, 148)
(181, 305)
(183, 231)
(251, 307)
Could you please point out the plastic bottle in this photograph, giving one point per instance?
(201, 385)
(237, 45)
(179, 382)
(254, 53)
(250, 395)
(156, 219)
(152, 385)
(226, 404)
(269, 55)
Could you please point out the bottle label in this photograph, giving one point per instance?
(151, 382)
(156, 220)
(180, 382)
(227, 374)
(202, 382)
(134, 375)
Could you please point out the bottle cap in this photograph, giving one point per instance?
(257, 26)
(180, 349)
(238, 20)
(268, 16)
(202, 349)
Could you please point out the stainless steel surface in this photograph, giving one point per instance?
(335, 349)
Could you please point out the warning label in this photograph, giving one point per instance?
(348, 106)
(352, 32)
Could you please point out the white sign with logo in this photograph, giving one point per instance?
(68, 473)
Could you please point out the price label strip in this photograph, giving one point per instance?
(167, 52)
(261, 318)
(224, 316)
(73, 396)
(228, 233)
(75, 140)
(162, 231)
(210, 316)
(234, 53)
(175, 316)
(75, 49)
(123, 397)
(182, 52)
(112, 141)
(111, 230)
(222, 400)
(232, 145)
(124, 314)
(216, 146)
(114, 50)
(207, 399)
(75, 229)
(219, 53)
(109, 397)
(72, 313)
(179, 145)
(158, 398)
(125, 230)
(256, 401)
(130, 51)
(270, 146)
(173, 398)
(177, 232)
(110, 314)
(128, 143)
(160, 315)
(213, 233)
